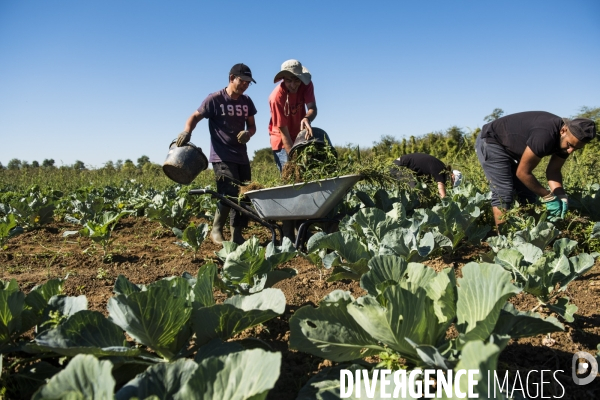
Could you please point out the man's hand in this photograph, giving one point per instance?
(305, 124)
(565, 205)
(243, 137)
(183, 138)
(554, 207)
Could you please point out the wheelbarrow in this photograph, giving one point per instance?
(310, 202)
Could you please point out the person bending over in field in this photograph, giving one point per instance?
(230, 115)
(293, 108)
(430, 167)
(510, 147)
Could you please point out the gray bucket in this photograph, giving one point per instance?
(184, 163)
(319, 137)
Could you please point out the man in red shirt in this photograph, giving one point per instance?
(293, 108)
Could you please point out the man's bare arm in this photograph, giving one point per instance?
(286, 138)
(525, 173)
(311, 114)
(251, 125)
(192, 121)
(442, 189)
(554, 175)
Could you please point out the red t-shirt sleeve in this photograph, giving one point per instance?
(277, 105)
(309, 94)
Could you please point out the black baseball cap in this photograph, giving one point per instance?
(243, 71)
(583, 129)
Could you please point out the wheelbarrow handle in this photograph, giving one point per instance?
(242, 210)
(200, 191)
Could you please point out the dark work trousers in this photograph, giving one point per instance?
(501, 171)
(230, 176)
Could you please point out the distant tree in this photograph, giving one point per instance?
(14, 164)
(151, 168)
(128, 167)
(497, 113)
(263, 156)
(48, 163)
(142, 160)
(25, 165)
(1, 166)
(413, 144)
(109, 165)
(455, 139)
(79, 165)
(385, 146)
(589, 112)
(119, 164)
(35, 164)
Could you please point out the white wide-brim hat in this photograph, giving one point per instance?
(293, 68)
(457, 177)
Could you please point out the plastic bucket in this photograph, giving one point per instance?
(184, 163)
(319, 137)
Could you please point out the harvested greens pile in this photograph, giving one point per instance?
(316, 161)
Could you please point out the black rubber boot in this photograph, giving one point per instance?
(288, 228)
(221, 214)
(236, 235)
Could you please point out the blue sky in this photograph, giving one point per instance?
(107, 80)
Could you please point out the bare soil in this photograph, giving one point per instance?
(145, 252)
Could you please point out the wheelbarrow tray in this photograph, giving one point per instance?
(301, 200)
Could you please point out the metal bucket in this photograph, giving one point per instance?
(319, 137)
(184, 163)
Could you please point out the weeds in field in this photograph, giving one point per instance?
(102, 274)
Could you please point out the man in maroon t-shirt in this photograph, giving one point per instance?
(230, 115)
(510, 148)
(293, 108)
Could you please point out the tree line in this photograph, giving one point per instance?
(445, 144)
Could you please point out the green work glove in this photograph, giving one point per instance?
(565, 206)
(243, 137)
(554, 207)
(183, 138)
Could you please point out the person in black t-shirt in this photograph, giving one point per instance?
(429, 166)
(510, 148)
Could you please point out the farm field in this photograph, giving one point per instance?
(144, 252)
(110, 286)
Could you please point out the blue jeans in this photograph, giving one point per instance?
(281, 157)
(501, 171)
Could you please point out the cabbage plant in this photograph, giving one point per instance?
(458, 222)
(371, 232)
(545, 274)
(242, 375)
(250, 267)
(100, 231)
(84, 207)
(161, 317)
(408, 310)
(33, 210)
(20, 312)
(475, 355)
(170, 212)
(587, 201)
(192, 236)
(8, 229)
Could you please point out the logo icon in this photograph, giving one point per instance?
(579, 368)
